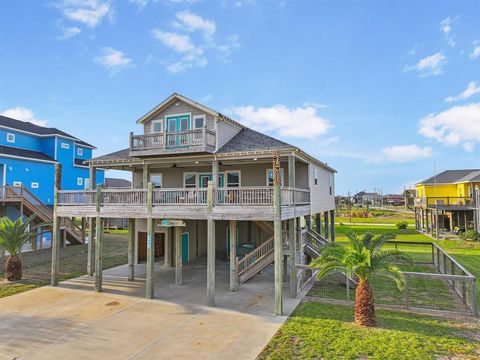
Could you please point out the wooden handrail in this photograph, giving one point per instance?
(255, 255)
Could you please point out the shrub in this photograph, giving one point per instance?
(401, 225)
(471, 235)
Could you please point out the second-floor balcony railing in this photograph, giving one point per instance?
(191, 140)
(241, 196)
(445, 201)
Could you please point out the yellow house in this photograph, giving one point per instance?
(448, 201)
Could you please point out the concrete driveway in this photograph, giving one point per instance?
(73, 322)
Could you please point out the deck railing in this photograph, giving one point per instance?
(255, 255)
(445, 200)
(241, 196)
(169, 140)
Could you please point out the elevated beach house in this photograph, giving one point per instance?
(448, 202)
(28, 154)
(205, 186)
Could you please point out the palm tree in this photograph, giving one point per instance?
(13, 235)
(364, 260)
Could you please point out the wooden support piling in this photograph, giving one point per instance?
(210, 248)
(292, 243)
(131, 249)
(55, 228)
(150, 244)
(277, 236)
(98, 244)
(233, 255)
(178, 256)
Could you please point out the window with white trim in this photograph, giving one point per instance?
(270, 177)
(87, 184)
(199, 121)
(17, 183)
(65, 145)
(34, 185)
(331, 184)
(79, 181)
(189, 180)
(10, 137)
(157, 126)
(233, 178)
(315, 176)
(156, 180)
(79, 151)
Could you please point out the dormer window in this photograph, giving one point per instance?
(157, 126)
(10, 137)
(199, 121)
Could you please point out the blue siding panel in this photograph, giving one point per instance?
(22, 141)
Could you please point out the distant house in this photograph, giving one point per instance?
(28, 154)
(452, 198)
(364, 198)
(393, 199)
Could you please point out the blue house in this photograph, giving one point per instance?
(28, 154)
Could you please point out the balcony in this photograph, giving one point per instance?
(243, 203)
(446, 202)
(191, 141)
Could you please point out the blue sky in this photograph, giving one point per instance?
(380, 90)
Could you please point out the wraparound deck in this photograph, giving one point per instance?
(241, 203)
(446, 202)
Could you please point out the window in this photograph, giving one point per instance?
(79, 181)
(331, 184)
(156, 180)
(10, 137)
(87, 184)
(190, 180)
(198, 121)
(17, 183)
(157, 126)
(233, 179)
(65, 145)
(34, 185)
(270, 177)
(80, 152)
(315, 172)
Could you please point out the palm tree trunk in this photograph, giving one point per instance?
(364, 304)
(13, 268)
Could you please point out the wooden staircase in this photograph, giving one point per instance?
(32, 205)
(255, 261)
(313, 246)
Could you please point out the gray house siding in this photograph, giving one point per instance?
(225, 133)
(320, 197)
(179, 107)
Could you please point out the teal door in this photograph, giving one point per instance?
(177, 125)
(185, 241)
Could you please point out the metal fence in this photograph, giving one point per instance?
(435, 281)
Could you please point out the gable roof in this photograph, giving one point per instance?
(176, 96)
(22, 153)
(453, 176)
(37, 130)
(251, 140)
(117, 183)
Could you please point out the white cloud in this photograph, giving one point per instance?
(429, 66)
(87, 12)
(113, 59)
(472, 89)
(195, 36)
(476, 51)
(405, 153)
(23, 114)
(302, 122)
(193, 22)
(459, 125)
(68, 32)
(315, 105)
(140, 3)
(446, 28)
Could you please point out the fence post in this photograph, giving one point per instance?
(433, 254)
(406, 292)
(474, 297)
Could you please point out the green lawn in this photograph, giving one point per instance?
(324, 331)
(466, 253)
(73, 263)
(372, 220)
